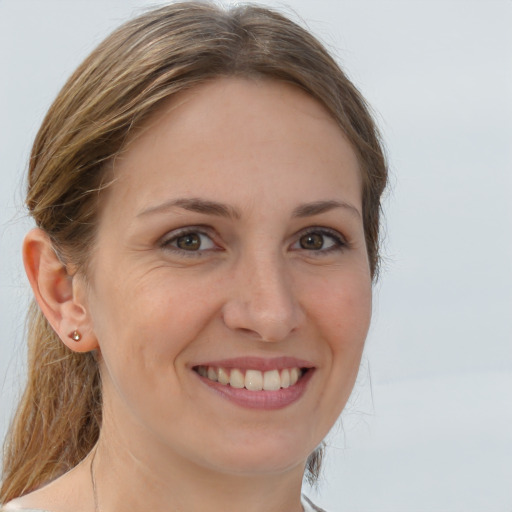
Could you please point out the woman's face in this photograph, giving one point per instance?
(231, 257)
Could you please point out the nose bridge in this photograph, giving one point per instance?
(262, 299)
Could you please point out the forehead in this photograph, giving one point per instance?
(239, 132)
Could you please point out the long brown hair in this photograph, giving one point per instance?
(116, 88)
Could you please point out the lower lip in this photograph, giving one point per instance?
(267, 400)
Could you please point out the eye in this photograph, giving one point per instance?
(319, 239)
(189, 241)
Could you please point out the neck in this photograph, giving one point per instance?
(149, 478)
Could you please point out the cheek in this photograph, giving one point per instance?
(143, 306)
(342, 312)
(142, 329)
(343, 309)
(145, 324)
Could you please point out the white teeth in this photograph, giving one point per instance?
(236, 379)
(294, 376)
(271, 380)
(285, 378)
(253, 380)
(223, 376)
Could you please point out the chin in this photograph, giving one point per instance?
(263, 456)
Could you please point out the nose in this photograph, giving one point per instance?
(261, 301)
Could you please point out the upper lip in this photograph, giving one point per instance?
(259, 363)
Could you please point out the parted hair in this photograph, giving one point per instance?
(119, 86)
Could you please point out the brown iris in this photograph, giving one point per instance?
(189, 242)
(312, 241)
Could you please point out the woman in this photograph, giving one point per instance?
(206, 189)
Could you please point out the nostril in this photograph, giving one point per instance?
(250, 332)
(260, 316)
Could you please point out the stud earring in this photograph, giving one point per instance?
(75, 336)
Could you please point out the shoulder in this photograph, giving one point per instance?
(71, 491)
(36, 501)
(309, 506)
(16, 506)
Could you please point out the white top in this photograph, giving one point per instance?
(308, 506)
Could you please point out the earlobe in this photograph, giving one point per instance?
(58, 293)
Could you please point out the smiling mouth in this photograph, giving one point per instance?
(253, 380)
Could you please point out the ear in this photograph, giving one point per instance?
(60, 294)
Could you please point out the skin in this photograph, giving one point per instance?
(256, 287)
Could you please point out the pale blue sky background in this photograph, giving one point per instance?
(437, 435)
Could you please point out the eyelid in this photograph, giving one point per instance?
(165, 242)
(341, 241)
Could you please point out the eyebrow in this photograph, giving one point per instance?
(207, 207)
(318, 207)
(197, 205)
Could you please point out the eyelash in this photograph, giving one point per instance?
(168, 241)
(339, 242)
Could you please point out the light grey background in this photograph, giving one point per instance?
(429, 425)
